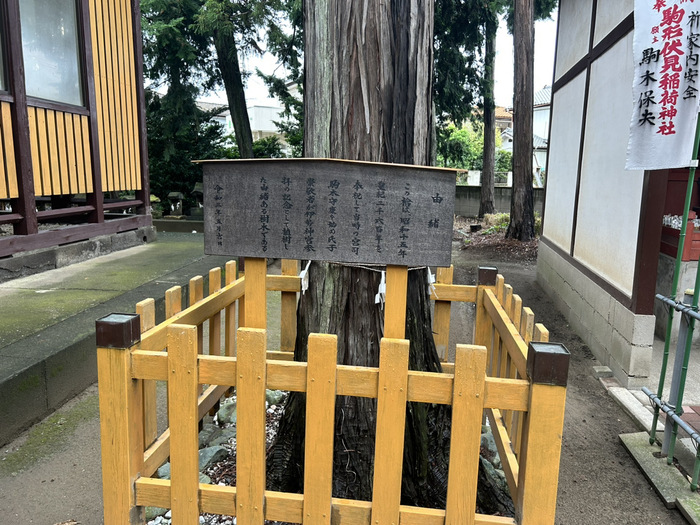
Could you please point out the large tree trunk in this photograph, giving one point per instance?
(522, 212)
(227, 54)
(489, 164)
(368, 97)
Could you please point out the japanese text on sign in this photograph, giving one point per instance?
(329, 210)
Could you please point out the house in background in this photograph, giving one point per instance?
(504, 119)
(73, 159)
(262, 116)
(602, 241)
(540, 137)
(540, 128)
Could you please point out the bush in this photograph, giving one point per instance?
(498, 223)
(495, 223)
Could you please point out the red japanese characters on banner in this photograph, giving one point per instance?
(666, 98)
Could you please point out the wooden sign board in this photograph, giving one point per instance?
(329, 210)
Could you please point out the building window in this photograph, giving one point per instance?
(50, 35)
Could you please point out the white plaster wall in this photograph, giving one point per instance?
(539, 161)
(574, 33)
(609, 197)
(564, 148)
(610, 13)
(540, 121)
(262, 118)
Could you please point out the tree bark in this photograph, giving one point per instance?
(489, 163)
(367, 97)
(522, 213)
(227, 54)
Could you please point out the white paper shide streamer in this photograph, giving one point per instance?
(304, 275)
(381, 294)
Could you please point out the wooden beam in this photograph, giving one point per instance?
(25, 205)
(395, 307)
(144, 194)
(46, 239)
(95, 198)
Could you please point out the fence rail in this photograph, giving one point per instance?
(492, 377)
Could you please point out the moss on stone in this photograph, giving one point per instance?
(54, 432)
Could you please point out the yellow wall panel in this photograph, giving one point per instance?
(115, 90)
(87, 158)
(61, 157)
(8, 168)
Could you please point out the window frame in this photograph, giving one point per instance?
(4, 46)
(82, 40)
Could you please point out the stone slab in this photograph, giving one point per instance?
(690, 508)
(641, 415)
(601, 371)
(36, 261)
(668, 482)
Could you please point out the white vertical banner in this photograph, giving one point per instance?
(666, 87)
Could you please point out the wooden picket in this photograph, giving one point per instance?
(488, 377)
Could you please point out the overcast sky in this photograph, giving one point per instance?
(545, 39)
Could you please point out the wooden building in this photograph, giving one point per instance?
(604, 249)
(72, 122)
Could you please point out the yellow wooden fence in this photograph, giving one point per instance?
(499, 376)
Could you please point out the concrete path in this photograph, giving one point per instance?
(47, 321)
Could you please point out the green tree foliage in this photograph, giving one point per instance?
(178, 133)
(174, 53)
(504, 161)
(460, 28)
(179, 42)
(461, 147)
(265, 148)
(234, 27)
(177, 56)
(288, 46)
(457, 68)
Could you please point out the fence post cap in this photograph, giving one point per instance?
(118, 330)
(487, 275)
(548, 363)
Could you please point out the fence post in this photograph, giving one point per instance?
(441, 317)
(482, 324)
(184, 442)
(467, 412)
(547, 369)
(196, 294)
(146, 310)
(289, 309)
(320, 401)
(395, 309)
(121, 417)
(391, 425)
(215, 321)
(230, 316)
(250, 386)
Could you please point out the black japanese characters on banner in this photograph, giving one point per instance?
(666, 49)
